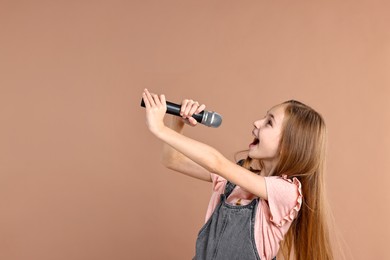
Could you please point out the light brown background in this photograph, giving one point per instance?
(80, 176)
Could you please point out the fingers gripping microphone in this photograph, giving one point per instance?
(208, 118)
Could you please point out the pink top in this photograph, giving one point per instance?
(273, 217)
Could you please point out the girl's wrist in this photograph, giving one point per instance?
(156, 129)
(161, 132)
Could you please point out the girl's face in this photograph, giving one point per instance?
(267, 133)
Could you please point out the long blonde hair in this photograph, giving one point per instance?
(302, 151)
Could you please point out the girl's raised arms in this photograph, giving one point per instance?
(202, 155)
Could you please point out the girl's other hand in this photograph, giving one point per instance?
(156, 108)
(188, 108)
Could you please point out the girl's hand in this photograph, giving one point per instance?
(156, 108)
(188, 108)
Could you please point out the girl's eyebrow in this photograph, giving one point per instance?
(271, 116)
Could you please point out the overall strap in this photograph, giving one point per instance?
(229, 188)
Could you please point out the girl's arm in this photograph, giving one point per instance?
(202, 154)
(176, 161)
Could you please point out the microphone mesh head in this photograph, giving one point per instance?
(212, 119)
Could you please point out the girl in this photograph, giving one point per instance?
(271, 200)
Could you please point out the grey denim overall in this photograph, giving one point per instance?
(229, 232)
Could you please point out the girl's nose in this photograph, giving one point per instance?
(257, 123)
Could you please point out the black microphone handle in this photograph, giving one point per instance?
(174, 109)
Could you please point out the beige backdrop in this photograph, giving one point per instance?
(80, 175)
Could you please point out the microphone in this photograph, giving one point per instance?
(208, 118)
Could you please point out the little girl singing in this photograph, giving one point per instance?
(270, 202)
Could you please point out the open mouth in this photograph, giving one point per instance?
(255, 142)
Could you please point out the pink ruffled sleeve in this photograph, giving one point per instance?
(217, 181)
(284, 199)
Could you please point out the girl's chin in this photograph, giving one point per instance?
(253, 156)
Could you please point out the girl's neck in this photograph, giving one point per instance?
(268, 168)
